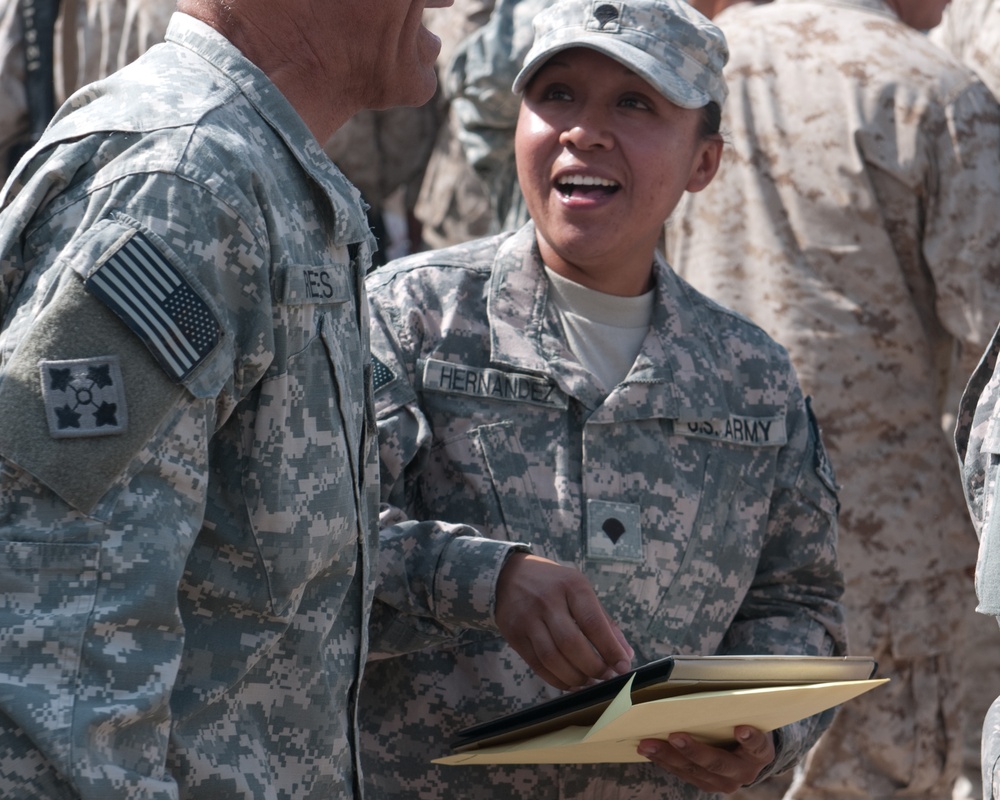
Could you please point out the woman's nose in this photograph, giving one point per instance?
(587, 132)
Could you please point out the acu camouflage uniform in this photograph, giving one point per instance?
(977, 440)
(854, 217)
(696, 498)
(484, 108)
(187, 495)
(970, 30)
(453, 205)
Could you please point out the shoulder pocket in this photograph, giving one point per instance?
(42, 652)
(75, 327)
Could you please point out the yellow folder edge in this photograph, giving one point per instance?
(708, 716)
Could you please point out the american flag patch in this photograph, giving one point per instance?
(381, 374)
(152, 297)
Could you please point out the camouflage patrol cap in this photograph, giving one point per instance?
(669, 44)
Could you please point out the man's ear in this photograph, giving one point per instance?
(706, 163)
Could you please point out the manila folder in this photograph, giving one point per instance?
(709, 716)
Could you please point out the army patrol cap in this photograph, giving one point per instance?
(666, 42)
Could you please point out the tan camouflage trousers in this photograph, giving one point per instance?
(907, 739)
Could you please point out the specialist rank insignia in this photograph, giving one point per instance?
(84, 397)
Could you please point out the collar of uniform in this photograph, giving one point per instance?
(525, 334)
(680, 353)
(193, 34)
(675, 375)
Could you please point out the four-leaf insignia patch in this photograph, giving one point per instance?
(84, 397)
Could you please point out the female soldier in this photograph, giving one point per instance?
(561, 385)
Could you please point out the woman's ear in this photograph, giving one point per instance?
(706, 162)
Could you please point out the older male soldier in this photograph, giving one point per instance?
(186, 451)
(854, 218)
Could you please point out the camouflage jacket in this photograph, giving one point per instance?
(977, 441)
(854, 218)
(93, 38)
(696, 497)
(188, 444)
(484, 106)
(970, 30)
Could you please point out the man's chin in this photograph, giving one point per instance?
(417, 93)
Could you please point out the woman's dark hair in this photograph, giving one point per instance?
(711, 119)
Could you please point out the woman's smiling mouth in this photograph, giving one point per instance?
(570, 185)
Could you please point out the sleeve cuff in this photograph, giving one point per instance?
(466, 580)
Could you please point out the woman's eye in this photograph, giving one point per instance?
(634, 102)
(557, 93)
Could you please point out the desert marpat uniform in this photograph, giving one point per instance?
(970, 30)
(695, 497)
(854, 218)
(977, 440)
(188, 469)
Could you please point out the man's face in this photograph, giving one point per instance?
(392, 53)
(919, 14)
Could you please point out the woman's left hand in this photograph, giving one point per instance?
(710, 768)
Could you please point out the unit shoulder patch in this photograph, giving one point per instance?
(84, 397)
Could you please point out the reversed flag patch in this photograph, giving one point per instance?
(84, 397)
(155, 300)
(381, 374)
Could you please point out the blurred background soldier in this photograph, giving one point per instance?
(70, 43)
(484, 108)
(384, 153)
(854, 217)
(453, 205)
(970, 30)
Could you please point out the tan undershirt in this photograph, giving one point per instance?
(604, 331)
